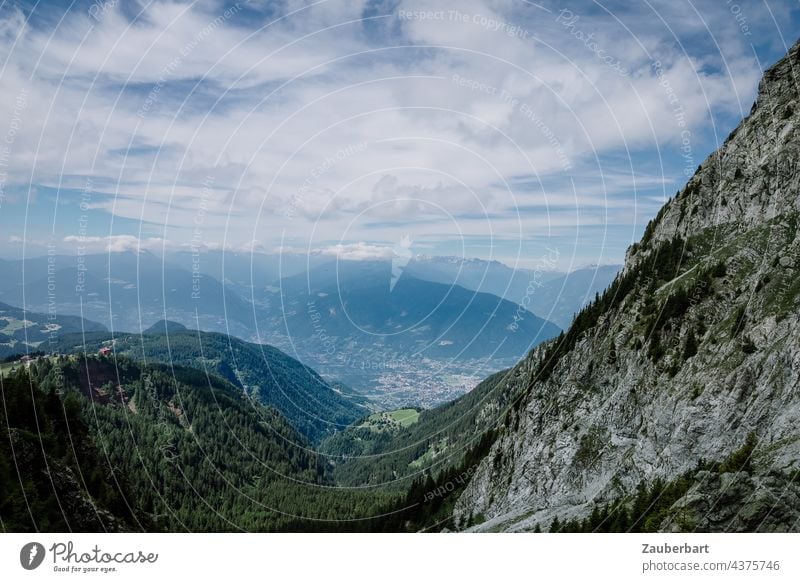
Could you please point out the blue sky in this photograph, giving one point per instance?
(476, 128)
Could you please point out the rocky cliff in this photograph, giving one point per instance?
(685, 371)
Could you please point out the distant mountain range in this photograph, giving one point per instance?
(124, 291)
(130, 291)
(350, 305)
(26, 331)
(550, 294)
(436, 321)
(479, 275)
(245, 272)
(560, 299)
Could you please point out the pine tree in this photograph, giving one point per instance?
(690, 348)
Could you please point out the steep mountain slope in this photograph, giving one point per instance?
(685, 371)
(312, 405)
(95, 443)
(52, 475)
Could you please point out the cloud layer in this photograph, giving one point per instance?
(339, 123)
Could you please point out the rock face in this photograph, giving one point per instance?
(694, 347)
(738, 503)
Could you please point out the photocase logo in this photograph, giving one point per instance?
(401, 255)
(31, 555)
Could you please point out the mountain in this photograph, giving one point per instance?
(313, 406)
(23, 331)
(125, 291)
(165, 326)
(101, 444)
(549, 294)
(479, 275)
(671, 403)
(351, 304)
(401, 341)
(560, 299)
(246, 272)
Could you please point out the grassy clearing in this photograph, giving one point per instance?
(405, 416)
(8, 367)
(391, 420)
(13, 325)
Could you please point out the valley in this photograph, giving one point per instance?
(393, 382)
(394, 349)
(355, 395)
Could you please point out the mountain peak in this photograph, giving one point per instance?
(165, 326)
(749, 178)
(684, 366)
(784, 71)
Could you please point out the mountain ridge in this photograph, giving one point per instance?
(350, 300)
(313, 406)
(686, 355)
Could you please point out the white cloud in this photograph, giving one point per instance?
(315, 129)
(359, 251)
(115, 243)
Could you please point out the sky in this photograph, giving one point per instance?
(490, 129)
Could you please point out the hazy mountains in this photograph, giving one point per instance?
(125, 291)
(549, 294)
(25, 331)
(134, 290)
(352, 305)
(419, 335)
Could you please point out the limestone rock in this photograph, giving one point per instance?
(702, 355)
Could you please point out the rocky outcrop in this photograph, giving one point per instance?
(692, 349)
(737, 502)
